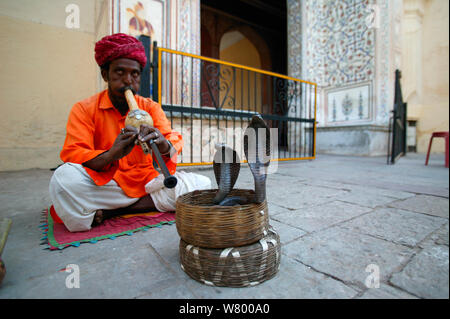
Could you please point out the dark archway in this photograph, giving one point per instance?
(264, 23)
(258, 42)
(206, 42)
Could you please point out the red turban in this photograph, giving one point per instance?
(118, 46)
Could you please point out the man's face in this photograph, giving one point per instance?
(122, 73)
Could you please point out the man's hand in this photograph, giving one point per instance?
(124, 143)
(121, 147)
(147, 133)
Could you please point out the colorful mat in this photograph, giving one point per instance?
(57, 236)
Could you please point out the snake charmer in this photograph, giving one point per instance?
(105, 172)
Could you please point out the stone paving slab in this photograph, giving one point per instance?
(302, 196)
(287, 233)
(366, 199)
(416, 188)
(407, 185)
(408, 175)
(165, 244)
(137, 272)
(386, 292)
(275, 209)
(395, 225)
(430, 205)
(440, 237)
(293, 280)
(362, 190)
(426, 275)
(345, 255)
(320, 216)
(177, 290)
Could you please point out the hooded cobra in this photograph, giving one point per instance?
(257, 152)
(226, 165)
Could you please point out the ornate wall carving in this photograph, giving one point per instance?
(339, 46)
(294, 38)
(188, 31)
(344, 44)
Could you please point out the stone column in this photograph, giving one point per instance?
(188, 31)
(294, 38)
(413, 11)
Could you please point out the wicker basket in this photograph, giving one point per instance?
(235, 266)
(200, 223)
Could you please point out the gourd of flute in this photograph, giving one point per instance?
(136, 117)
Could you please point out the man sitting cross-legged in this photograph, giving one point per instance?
(105, 173)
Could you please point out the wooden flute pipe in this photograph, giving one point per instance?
(135, 118)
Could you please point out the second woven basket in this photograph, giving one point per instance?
(242, 266)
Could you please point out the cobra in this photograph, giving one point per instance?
(257, 152)
(226, 164)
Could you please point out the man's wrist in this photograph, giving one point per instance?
(101, 162)
(109, 156)
(167, 153)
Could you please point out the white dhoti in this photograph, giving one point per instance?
(76, 197)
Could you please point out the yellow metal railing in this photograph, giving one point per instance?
(291, 91)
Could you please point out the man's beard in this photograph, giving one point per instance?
(122, 90)
(119, 100)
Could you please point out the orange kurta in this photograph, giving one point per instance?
(92, 128)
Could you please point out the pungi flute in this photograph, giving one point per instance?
(135, 118)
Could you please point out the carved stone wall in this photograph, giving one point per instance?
(351, 49)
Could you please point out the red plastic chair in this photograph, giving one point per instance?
(439, 134)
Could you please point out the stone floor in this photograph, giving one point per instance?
(342, 220)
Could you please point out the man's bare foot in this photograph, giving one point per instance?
(98, 218)
(143, 205)
(102, 214)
